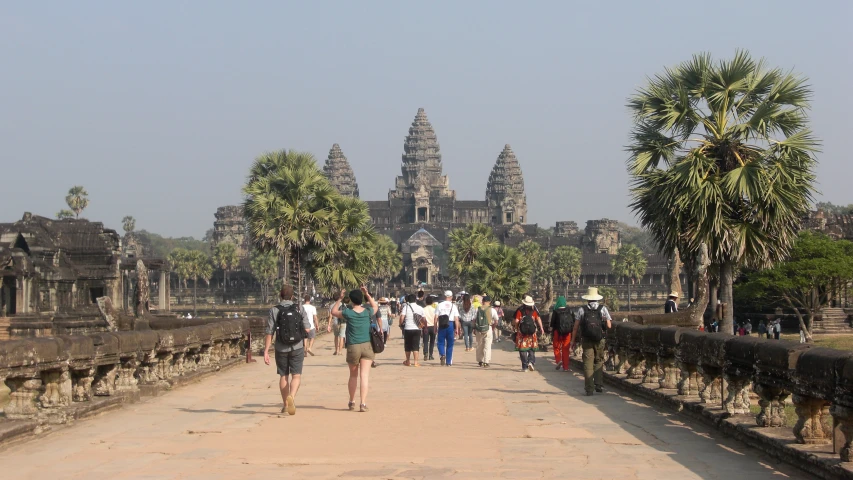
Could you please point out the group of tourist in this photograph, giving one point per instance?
(427, 321)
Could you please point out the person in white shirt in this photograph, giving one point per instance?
(309, 313)
(447, 317)
(411, 330)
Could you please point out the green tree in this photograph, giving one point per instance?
(191, 264)
(834, 209)
(721, 156)
(64, 214)
(128, 223)
(500, 271)
(537, 258)
(611, 298)
(629, 262)
(806, 280)
(264, 267)
(465, 246)
(566, 265)
(387, 260)
(77, 199)
(225, 257)
(287, 207)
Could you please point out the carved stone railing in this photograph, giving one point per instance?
(716, 373)
(56, 379)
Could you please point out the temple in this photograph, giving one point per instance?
(337, 169)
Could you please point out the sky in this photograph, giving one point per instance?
(158, 108)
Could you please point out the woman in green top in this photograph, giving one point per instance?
(359, 352)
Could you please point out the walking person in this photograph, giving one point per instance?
(468, 314)
(527, 324)
(562, 324)
(671, 305)
(447, 318)
(309, 312)
(290, 328)
(431, 330)
(486, 316)
(496, 327)
(411, 321)
(762, 329)
(360, 354)
(777, 328)
(591, 322)
(384, 318)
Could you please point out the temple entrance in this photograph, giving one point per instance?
(422, 214)
(8, 297)
(422, 275)
(95, 293)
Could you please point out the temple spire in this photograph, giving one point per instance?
(505, 190)
(337, 169)
(421, 166)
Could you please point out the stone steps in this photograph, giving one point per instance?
(834, 320)
(4, 328)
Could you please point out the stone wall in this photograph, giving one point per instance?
(54, 380)
(711, 376)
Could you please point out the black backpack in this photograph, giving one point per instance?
(288, 322)
(592, 330)
(565, 320)
(527, 326)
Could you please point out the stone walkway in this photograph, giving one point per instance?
(429, 422)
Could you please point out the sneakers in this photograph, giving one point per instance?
(486, 365)
(523, 370)
(558, 366)
(443, 360)
(588, 394)
(480, 363)
(530, 367)
(290, 404)
(431, 357)
(284, 410)
(351, 406)
(599, 389)
(363, 408)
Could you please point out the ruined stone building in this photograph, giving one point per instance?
(833, 225)
(230, 227)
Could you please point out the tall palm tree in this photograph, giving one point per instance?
(629, 262)
(500, 271)
(264, 267)
(466, 245)
(721, 156)
(225, 257)
(287, 206)
(346, 258)
(389, 261)
(128, 223)
(77, 199)
(566, 265)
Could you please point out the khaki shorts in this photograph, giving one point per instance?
(358, 352)
(341, 330)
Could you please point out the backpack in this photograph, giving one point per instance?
(592, 330)
(444, 318)
(527, 326)
(483, 323)
(565, 321)
(288, 322)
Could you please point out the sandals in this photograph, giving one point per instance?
(417, 365)
(406, 363)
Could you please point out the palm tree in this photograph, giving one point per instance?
(264, 267)
(500, 271)
(64, 214)
(566, 265)
(77, 199)
(192, 264)
(629, 262)
(225, 257)
(128, 223)
(721, 156)
(388, 259)
(466, 245)
(287, 206)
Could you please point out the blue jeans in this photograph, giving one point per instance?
(468, 334)
(446, 337)
(527, 358)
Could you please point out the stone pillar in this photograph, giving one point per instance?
(22, 400)
(712, 384)
(844, 416)
(772, 403)
(670, 372)
(737, 395)
(691, 381)
(163, 296)
(813, 425)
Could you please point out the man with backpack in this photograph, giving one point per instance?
(447, 318)
(562, 324)
(290, 329)
(486, 317)
(593, 320)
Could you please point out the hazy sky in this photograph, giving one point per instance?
(159, 108)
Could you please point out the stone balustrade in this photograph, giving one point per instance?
(53, 380)
(715, 373)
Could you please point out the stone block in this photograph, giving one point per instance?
(818, 372)
(691, 343)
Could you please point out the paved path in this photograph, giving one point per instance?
(429, 422)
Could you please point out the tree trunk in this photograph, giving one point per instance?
(714, 293)
(195, 291)
(701, 284)
(629, 296)
(726, 280)
(674, 277)
(225, 285)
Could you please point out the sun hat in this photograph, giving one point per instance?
(592, 295)
(448, 293)
(383, 300)
(674, 294)
(528, 300)
(497, 303)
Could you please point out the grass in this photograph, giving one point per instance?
(839, 342)
(790, 414)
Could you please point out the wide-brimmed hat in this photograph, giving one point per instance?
(674, 294)
(528, 300)
(592, 295)
(383, 300)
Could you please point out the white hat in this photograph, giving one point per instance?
(448, 293)
(528, 300)
(674, 294)
(497, 303)
(592, 295)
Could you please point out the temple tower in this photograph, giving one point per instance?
(601, 236)
(505, 190)
(421, 169)
(337, 169)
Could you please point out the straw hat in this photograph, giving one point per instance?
(592, 295)
(673, 294)
(383, 300)
(528, 300)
